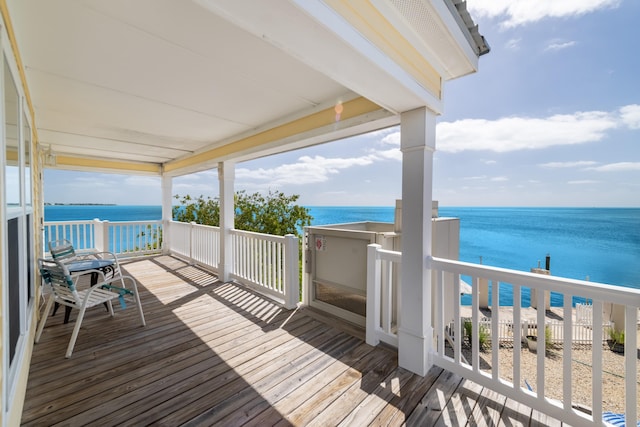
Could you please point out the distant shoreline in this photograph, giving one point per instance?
(80, 204)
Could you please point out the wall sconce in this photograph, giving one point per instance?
(49, 157)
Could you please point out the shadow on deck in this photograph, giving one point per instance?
(216, 353)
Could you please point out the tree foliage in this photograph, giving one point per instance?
(275, 213)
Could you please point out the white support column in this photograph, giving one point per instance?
(167, 212)
(226, 176)
(415, 332)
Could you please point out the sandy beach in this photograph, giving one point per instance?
(613, 365)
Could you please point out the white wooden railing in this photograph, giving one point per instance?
(382, 290)
(199, 243)
(124, 238)
(80, 233)
(268, 263)
(448, 354)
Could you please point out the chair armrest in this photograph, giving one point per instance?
(101, 277)
(121, 291)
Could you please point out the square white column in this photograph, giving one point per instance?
(415, 332)
(167, 212)
(226, 177)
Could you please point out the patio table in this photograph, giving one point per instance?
(106, 266)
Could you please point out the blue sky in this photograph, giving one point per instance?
(552, 118)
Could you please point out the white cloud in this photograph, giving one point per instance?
(583, 182)
(617, 167)
(499, 179)
(392, 154)
(513, 44)
(630, 115)
(578, 164)
(392, 139)
(514, 13)
(559, 45)
(143, 181)
(523, 133)
(307, 170)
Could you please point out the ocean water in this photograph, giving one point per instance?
(102, 212)
(598, 244)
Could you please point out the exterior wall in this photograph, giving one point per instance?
(14, 378)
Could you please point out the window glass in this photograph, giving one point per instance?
(26, 131)
(12, 168)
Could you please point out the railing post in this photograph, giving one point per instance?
(373, 294)
(292, 272)
(192, 227)
(98, 235)
(101, 235)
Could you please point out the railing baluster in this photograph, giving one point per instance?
(439, 313)
(541, 343)
(517, 336)
(495, 318)
(596, 361)
(630, 364)
(475, 321)
(456, 316)
(567, 339)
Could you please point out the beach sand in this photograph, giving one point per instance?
(613, 366)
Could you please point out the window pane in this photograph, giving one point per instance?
(12, 169)
(26, 130)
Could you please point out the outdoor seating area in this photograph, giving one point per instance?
(64, 288)
(215, 352)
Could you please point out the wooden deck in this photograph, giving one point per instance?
(214, 353)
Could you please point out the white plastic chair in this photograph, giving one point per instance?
(63, 291)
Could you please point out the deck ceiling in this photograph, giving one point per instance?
(176, 86)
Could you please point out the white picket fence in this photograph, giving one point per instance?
(553, 331)
(584, 313)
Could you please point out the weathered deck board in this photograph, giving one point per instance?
(216, 353)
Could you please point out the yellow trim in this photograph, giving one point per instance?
(350, 109)
(16, 54)
(377, 29)
(107, 164)
(11, 154)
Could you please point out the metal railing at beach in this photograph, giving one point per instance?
(563, 335)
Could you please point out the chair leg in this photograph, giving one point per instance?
(110, 308)
(45, 315)
(74, 335)
(135, 292)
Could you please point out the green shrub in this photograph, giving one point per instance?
(616, 336)
(483, 335)
(547, 338)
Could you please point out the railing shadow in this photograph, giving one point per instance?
(172, 371)
(374, 371)
(218, 353)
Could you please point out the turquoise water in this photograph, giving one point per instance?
(602, 244)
